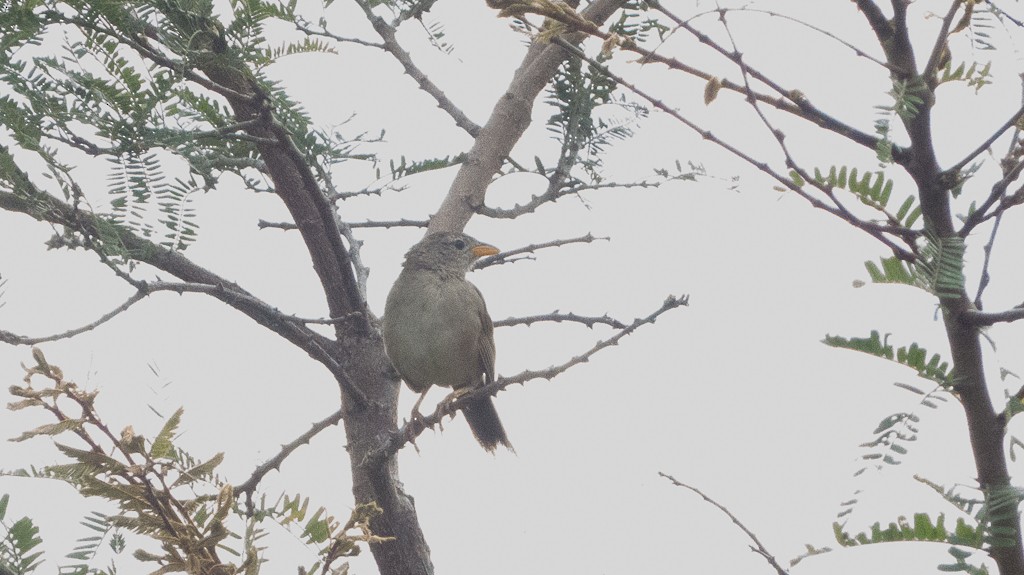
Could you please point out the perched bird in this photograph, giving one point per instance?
(437, 330)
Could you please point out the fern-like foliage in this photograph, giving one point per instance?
(961, 537)
(938, 269)
(976, 75)
(873, 189)
(576, 92)
(914, 356)
(906, 101)
(941, 265)
(982, 20)
(18, 554)
(923, 528)
(164, 136)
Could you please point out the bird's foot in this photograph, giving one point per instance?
(413, 427)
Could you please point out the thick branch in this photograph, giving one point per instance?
(982, 318)
(508, 122)
(29, 200)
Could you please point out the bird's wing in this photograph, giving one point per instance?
(485, 345)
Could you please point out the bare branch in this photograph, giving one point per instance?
(527, 208)
(589, 321)
(983, 318)
(249, 485)
(998, 193)
(1010, 123)
(985, 277)
(411, 430)
(391, 45)
(303, 26)
(808, 25)
(1004, 14)
(940, 51)
(509, 256)
(757, 547)
(146, 289)
(41, 206)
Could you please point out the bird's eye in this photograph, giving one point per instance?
(459, 244)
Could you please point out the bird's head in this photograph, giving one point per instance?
(450, 253)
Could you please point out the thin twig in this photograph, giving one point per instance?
(985, 277)
(589, 321)
(857, 51)
(1010, 123)
(392, 46)
(249, 485)
(510, 255)
(998, 193)
(144, 289)
(757, 547)
(940, 50)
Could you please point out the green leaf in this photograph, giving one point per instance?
(162, 446)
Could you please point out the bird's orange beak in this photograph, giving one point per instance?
(484, 250)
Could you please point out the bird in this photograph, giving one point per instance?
(437, 330)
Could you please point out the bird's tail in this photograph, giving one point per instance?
(486, 425)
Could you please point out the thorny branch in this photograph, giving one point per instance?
(509, 255)
(411, 430)
(555, 316)
(387, 33)
(248, 487)
(757, 547)
(145, 288)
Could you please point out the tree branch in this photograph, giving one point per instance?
(980, 318)
(757, 547)
(31, 201)
(982, 213)
(555, 316)
(391, 46)
(874, 230)
(508, 121)
(411, 430)
(509, 255)
(249, 485)
(146, 289)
